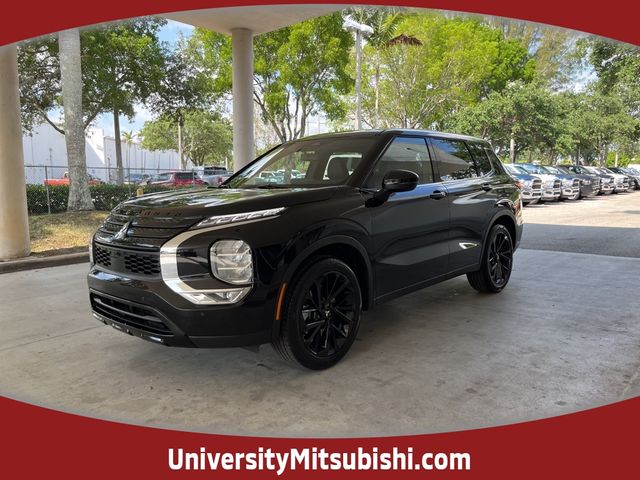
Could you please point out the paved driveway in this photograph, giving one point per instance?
(565, 335)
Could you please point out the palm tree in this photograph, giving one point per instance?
(384, 23)
(71, 79)
(128, 138)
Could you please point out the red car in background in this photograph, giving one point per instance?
(65, 180)
(175, 179)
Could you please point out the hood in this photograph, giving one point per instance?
(221, 201)
(545, 177)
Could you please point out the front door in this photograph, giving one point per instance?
(410, 230)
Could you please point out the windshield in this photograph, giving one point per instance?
(305, 163)
(564, 170)
(515, 169)
(539, 169)
(552, 170)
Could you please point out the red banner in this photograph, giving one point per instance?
(598, 443)
(616, 19)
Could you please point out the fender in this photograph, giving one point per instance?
(504, 208)
(329, 241)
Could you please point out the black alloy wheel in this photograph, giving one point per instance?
(322, 314)
(497, 262)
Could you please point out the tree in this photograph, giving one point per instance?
(451, 64)
(128, 138)
(385, 25)
(122, 64)
(71, 84)
(522, 116)
(184, 87)
(208, 138)
(298, 71)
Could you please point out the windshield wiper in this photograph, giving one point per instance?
(268, 186)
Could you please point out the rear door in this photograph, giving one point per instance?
(467, 173)
(410, 229)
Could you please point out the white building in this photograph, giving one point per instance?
(46, 147)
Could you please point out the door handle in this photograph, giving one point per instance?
(487, 187)
(438, 194)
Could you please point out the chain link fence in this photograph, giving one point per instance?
(48, 185)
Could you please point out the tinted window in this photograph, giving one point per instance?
(186, 175)
(483, 163)
(454, 159)
(313, 162)
(404, 153)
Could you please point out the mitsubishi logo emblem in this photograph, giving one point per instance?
(122, 233)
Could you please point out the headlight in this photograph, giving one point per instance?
(91, 252)
(549, 183)
(567, 182)
(586, 182)
(232, 262)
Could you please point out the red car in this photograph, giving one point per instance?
(65, 180)
(176, 179)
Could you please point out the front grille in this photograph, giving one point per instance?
(129, 314)
(101, 256)
(557, 184)
(536, 184)
(127, 261)
(576, 183)
(142, 264)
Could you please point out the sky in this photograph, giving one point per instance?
(170, 33)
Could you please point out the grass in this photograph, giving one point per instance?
(63, 232)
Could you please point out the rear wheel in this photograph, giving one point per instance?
(497, 262)
(321, 314)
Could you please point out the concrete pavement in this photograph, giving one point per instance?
(564, 336)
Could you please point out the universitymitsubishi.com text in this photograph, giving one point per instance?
(317, 459)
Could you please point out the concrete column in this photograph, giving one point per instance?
(14, 225)
(242, 67)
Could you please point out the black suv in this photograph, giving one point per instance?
(367, 217)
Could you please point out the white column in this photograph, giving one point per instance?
(14, 226)
(242, 66)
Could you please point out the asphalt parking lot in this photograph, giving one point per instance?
(564, 336)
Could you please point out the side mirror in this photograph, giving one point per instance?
(400, 181)
(393, 182)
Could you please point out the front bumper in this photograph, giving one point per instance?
(530, 194)
(550, 194)
(151, 311)
(569, 191)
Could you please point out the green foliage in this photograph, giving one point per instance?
(105, 196)
(122, 64)
(524, 111)
(208, 138)
(458, 62)
(298, 71)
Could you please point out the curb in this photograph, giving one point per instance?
(32, 263)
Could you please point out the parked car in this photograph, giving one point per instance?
(619, 182)
(136, 178)
(215, 175)
(65, 180)
(589, 183)
(530, 185)
(551, 185)
(632, 175)
(606, 181)
(571, 183)
(296, 263)
(175, 179)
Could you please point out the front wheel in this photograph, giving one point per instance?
(497, 262)
(321, 314)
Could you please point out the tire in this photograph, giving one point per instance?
(321, 314)
(495, 269)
